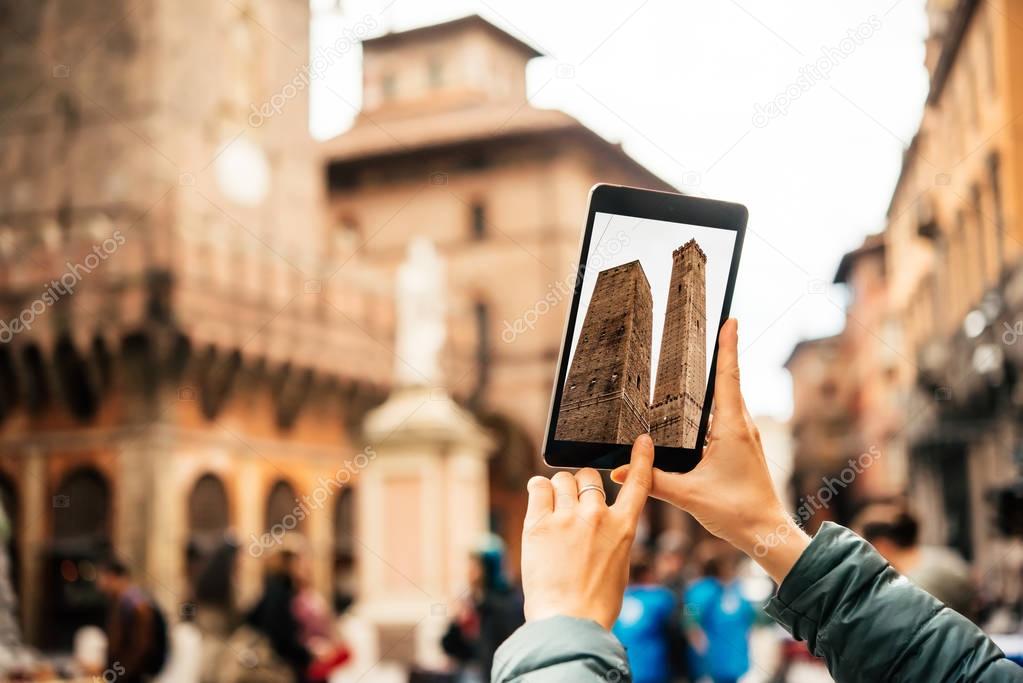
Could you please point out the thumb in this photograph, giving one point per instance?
(670, 487)
(727, 395)
(636, 488)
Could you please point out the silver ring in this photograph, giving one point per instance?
(592, 487)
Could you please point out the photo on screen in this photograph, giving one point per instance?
(651, 298)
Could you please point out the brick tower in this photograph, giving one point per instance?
(607, 393)
(682, 367)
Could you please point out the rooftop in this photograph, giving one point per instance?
(433, 32)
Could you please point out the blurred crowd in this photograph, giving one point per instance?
(691, 613)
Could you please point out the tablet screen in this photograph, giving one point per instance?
(650, 302)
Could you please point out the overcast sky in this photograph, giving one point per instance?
(686, 87)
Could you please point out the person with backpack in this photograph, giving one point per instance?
(136, 627)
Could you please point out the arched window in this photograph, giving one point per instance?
(282, 507)
(208, 513)
(344, 549)
(9, 500)
(81, 506)
(210, 555)
(81, 536)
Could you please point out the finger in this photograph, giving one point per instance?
(727, 396)
(590, 500)
(636, 488)
(566, 492)
(541, 500)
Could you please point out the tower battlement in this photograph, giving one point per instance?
(689, 246)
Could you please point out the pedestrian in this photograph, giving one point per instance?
(940, 571)
(315, 623)
(490, 613)
(719, 617)
(268, 646)
(835, 591)
(671, 570)
(645, 625)
(136, 629)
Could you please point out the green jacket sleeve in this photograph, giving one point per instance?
(561, 649)
(871, 624)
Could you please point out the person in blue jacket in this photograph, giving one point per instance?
(720, 617)
(834, 590)
(644, 625)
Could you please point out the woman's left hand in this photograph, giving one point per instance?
(575, 548)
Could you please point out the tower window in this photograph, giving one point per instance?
(637, 382)
(478, 220)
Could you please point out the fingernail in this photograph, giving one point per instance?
(645, 438)
(618, 474)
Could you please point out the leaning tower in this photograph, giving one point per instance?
(682, 367)
(606, 393)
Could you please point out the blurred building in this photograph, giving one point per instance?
(821, 424)
(932, 346)
(178, 357)
(448, 147)
(196, 309)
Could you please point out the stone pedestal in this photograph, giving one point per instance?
(422, 506)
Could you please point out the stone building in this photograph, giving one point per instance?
(180, 355)
(607, 392)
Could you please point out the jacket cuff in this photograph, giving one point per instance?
(835, 559)
(560, 640)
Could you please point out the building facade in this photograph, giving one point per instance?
(176, 361)
(196, 301)
(930, 347)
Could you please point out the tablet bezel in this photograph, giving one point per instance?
(666, 206)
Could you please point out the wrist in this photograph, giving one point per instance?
(775, 541)
(578, 612)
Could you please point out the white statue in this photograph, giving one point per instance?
(421, 308)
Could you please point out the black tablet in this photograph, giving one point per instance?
(653, 287)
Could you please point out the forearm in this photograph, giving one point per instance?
(871, 624)
(561, 649)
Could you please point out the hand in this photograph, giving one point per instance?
(730, 491)
(575, 549)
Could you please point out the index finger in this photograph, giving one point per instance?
(637, 483)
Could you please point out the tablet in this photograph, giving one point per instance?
(653, 287)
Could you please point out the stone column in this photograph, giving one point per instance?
(422, 508)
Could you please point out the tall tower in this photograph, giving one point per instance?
(608, 387)
(682, 367)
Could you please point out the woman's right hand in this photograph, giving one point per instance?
(730, 491)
